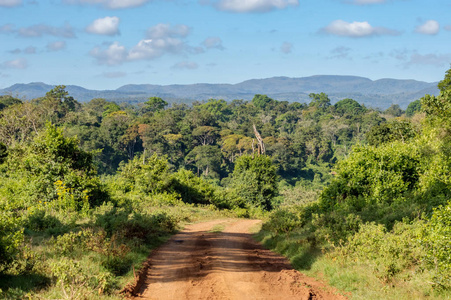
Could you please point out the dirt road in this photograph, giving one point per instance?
(220, 260)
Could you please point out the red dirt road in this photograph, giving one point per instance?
(220, 260)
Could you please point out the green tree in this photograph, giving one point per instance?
(59, 94)
(394, 110)
(6, 101)
(19, 122)
(149, 175)
(206, 135)
(218, 108)
(413, 108)
(319, 100)
(53, 168)
(389, 132)
(206, 158)
(109, 108)
(348, 107)
(255, 180)
(437, 107)
(262, 101)
(445, 84)
(374, 177)
(155, 104)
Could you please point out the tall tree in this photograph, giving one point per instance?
(155, 104)
(445, 84)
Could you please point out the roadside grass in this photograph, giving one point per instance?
(99, 254)
(355, 279)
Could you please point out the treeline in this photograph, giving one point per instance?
(205, 138)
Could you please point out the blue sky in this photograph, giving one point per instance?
(104, 44)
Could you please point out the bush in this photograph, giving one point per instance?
(68, 243)
(386, 253)
(39, 220)
(380, 175)
(150, 177)
(53, 169)
(255, 180)
(282, 221)
(11, 237)
(76, 283)
(193, 189)
(437, 240)
(134, 225)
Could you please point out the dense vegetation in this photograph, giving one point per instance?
(386, 211)
(88, 188)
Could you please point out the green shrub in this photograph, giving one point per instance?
(437, 240)
(75, 282)
(387, 254)
(117, 265)
(255, 180)
(68, 243)
(134, 225)
(375, 174)
(150, 176)
(53, 169)
(39, 220)
(194, 189)
(282, 221)
(11, 238)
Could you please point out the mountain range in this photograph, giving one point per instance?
(373, 93)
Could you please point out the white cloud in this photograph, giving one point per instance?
(104, 26)
(161, 39)
(115, 54)
(356, 29)
(244, 6)
(213, 42)
(56, 46)
(10, 3)
(286, 47)
(20, 63)
(111, 4)
(430, 27)
(448, 27)
(153, 48)
(188, 65)
(161, 31)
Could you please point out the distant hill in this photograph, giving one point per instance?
(378, 93)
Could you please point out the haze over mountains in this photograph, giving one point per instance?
(378, 93)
